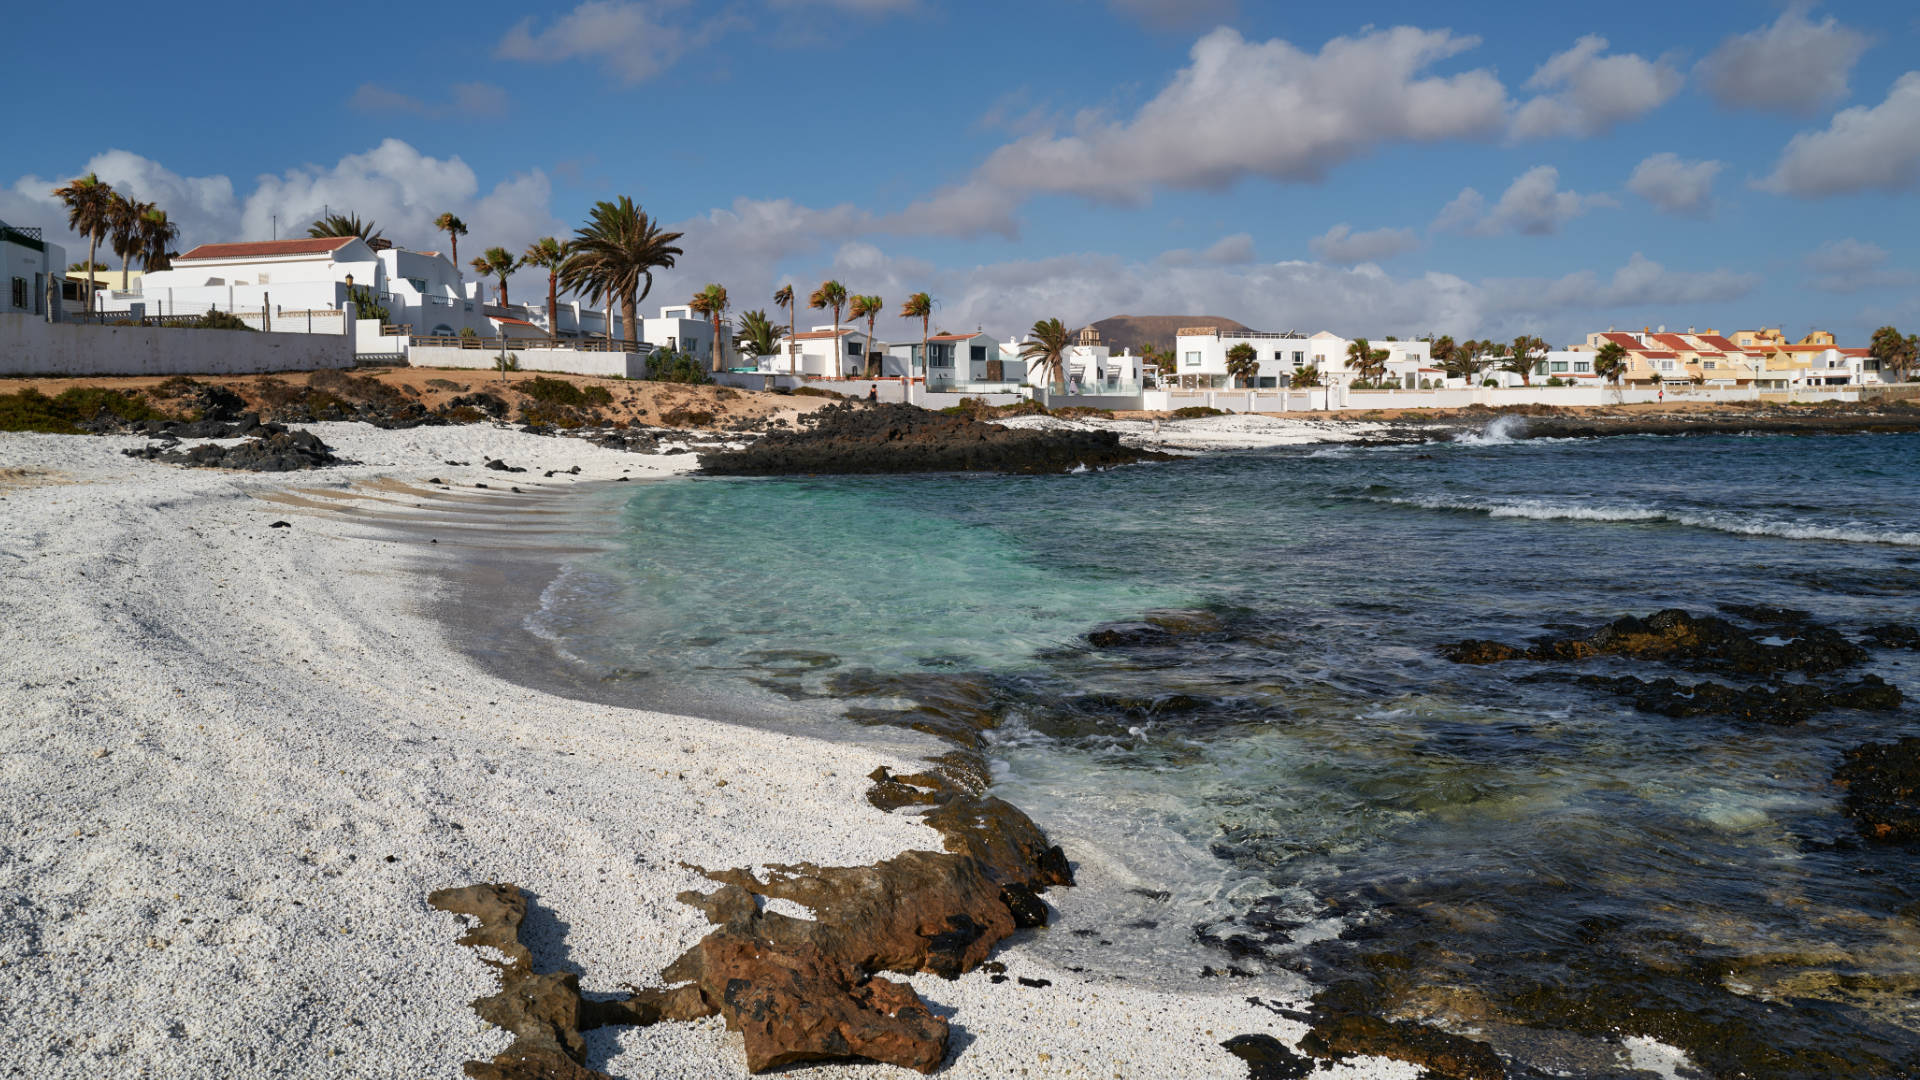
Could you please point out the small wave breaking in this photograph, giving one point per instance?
(1544, 510)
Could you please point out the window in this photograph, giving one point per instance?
(20, 292)
(853, 349)
(940, 356)
(1540, 368)
(1299, 357)
(1279, 357)
(1709, 365)
(1583, 366)
(419, 284)
(1559, 366)
(1193, 360)
(979, 353)
(1267, 382)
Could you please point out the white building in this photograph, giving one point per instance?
(823, 353)
(1091, 366)
(30, 269)
(1200, 358)
(679, 328)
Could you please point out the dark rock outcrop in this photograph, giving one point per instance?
(277, 450)
(856, 438)
(1882, 781)
(1453, 1057)
(1783, 704)
(1268, 1058)
(1696, 643)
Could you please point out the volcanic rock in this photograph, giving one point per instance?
(1454, 1057)
(1268, 1058)
(1882, 781)
(278, 451)
(1696, 643)
(857, 438)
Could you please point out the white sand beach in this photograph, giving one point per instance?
(234, 759)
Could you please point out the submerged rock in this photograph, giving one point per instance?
(1454, 1057)
(1786, 643)
(853, 438)
(1784, 704)
(1882, 781)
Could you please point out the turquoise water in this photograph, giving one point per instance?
(1306, 788)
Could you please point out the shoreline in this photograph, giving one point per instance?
(240, 767)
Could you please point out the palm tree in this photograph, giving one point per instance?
(1243, 363)
(1894, 351)
(343, 225)
(123, 230)
(831, 294)
(455, 229)
(1526, 352)
(868, 308)
(89, 213)
(783, 296)
(712, 302)
(614, 253)
(1306, 378)
(1610, 362)
(498, 262)
(157, 234)
(1046, 348)
(1365, 359)
(919, 306)
(550, 255)
(758, 334)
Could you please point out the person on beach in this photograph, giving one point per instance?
(873, 393)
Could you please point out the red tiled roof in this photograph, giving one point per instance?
(509, 319)
(811, 334)
(955, 337)
(1661, 355)
(1719, 342)
(1625, 341)
(1855, 352)
(1680, 344)
(318, 245)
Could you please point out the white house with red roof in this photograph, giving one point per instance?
(823, 352)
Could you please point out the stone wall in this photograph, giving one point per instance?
(32, 346)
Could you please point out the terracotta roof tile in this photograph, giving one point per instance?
(509, 319)
(1625, 341)
(811, 335)
(319, 245)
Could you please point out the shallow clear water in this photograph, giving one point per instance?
(1311, 786)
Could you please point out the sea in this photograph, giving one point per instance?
(1295, 788)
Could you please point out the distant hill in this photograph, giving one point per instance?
(1132, 331)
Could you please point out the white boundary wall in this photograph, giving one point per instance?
(29, 345)
(621, 365)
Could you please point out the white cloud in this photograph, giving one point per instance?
(1235, 250)
(202, 206)
(1254, 109)
(1533, 205)
(969, 209)
(1849, 265)
(1676, 185)
(632, 39)
(1641, 283)
(472, 100)
(1864, 148)
(1585, 93)
(1343, 246)
(1794, 65)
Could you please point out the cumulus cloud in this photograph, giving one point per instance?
(1533, 205)
(1244, 109)
(632, 39)
(1641, 283)
(1793, 65)
(1675, 185)
(202, 206)
(1235, 250)
(1863, 148)
(1849, 265)
(472, 100)
(1344, 247)
(1582, 92)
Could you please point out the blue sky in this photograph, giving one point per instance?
(1371, 168)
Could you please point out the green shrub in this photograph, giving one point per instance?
(815, 391)
(366, 307)
(1194, 412)
(671, 365)
(31, 410)
(218, 320)
(176, 385)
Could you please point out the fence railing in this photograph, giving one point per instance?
(454, 341)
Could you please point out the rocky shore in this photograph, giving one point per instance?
(863, 438)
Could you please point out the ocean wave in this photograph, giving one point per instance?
(1542, 510)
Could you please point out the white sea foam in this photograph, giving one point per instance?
(1500, 432)
(1544, 510)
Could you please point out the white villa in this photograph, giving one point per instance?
(822, 353)
(1200, 356)
(28, 265)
